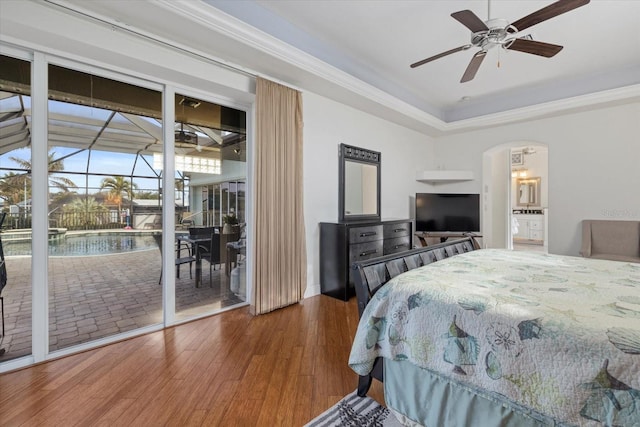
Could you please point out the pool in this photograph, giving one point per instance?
(86, 244)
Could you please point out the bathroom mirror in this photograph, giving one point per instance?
(528, 192)
(359, 184)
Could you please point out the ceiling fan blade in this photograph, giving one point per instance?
(534, 47)
(551, 11)
(469, 20)
(473, 66)
(440, 55)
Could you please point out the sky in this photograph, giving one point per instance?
(101, 162)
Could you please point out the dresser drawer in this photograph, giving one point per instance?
(365, 234)
(536, 234)
(399, 244)
(364, 251)
(396, 230)
(535, 225)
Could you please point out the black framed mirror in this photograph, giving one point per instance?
(359, 184)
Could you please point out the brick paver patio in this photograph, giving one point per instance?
(96, 296)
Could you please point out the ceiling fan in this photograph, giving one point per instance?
(187, 137)
(499, 32)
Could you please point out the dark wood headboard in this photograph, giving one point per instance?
(373, 273)
(370, 275)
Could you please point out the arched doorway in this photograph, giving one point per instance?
(529, 198)
(498, 191)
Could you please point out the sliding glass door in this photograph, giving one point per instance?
(223, 200)
(92, 162)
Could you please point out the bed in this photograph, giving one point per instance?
(500, 338)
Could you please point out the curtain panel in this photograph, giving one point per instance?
(280, 259)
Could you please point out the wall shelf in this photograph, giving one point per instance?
(443, 176)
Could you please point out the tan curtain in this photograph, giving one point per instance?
(280, 273)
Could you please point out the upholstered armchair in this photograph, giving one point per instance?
(611, 239)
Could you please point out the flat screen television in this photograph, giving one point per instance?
(447, 212)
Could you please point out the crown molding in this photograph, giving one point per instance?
(574, 104)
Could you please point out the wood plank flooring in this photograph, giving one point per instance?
(233, 369)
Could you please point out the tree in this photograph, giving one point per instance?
(16, 187)
(59, 182)
(12, 187)
(118, 185)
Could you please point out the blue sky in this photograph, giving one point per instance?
(101, 162)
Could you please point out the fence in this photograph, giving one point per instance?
(69, 220)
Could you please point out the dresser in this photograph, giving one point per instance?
(342, 244)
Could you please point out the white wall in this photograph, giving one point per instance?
(593, 165)
(403, 152)
(499, 188)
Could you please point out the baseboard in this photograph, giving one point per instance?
(312, 290)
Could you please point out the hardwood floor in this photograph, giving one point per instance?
(233, 369)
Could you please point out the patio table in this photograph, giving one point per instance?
(195, 242)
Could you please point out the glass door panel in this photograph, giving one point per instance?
(15, 212)
(205, 140)
(105, 203)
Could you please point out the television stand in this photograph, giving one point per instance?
(444, 235)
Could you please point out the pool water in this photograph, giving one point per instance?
(88, 244)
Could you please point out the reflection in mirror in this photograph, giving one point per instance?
(360, 188)
(528, 191)
(359, 184)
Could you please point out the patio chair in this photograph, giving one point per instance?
(3, 276)
(189, 259)
(202, 231)
(211, 252)
(3, 283)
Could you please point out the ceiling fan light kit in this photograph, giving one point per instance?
(494, 35)
(499, 32)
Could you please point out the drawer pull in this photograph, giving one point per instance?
(368, 233)
(398, 246)
(398, 230)
(365, 253)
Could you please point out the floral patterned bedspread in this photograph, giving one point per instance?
(557, 334)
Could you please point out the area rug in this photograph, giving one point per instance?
(355, 411)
